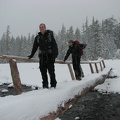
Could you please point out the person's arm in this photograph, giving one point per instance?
(67, 54)
(34, 49)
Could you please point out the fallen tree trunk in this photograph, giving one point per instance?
(61, 109)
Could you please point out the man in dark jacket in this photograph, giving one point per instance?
(48, 52)
(74, 49)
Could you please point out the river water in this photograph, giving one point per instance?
(95, 106)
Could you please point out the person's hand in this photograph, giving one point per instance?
(30, 56)
(63, 60)
(85, 45)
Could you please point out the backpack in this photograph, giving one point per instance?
(80, 49)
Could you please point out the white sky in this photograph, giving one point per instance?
(24, 16)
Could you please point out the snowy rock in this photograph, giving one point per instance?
(112, 74)
(77, 118)
(70, 106)
(57, 119)
(1, 83)
(34, 87)
(10, 85)
(4, 91)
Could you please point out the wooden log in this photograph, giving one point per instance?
(71, 71)
(19, 58)
(91, 68)
(96, 68)
(61, 109)
(25, 59)
(103, 63)
(15, 76)
(101, 66)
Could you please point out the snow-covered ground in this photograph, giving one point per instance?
(37, 103)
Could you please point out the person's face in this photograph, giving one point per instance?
(42, 28)
(70, 43)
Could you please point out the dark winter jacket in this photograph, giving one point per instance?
(74, 50)
(46, 43)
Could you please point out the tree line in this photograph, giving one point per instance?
(102, 39)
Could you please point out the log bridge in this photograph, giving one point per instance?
(53, 115)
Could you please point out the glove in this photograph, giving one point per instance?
(30, 56)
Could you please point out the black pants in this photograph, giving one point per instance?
(76, 66)
(46, 63)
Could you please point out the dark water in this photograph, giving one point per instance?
(95, 106)
(11, 90)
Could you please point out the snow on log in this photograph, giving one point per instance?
(61, 109)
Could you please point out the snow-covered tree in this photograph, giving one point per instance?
(77, 34)
(70, 34)
(7, 41)
(62, 42)
(12, 44)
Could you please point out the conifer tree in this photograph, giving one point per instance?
(77, 35)
(7, 41)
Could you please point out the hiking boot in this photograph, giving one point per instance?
(83, 76)
(79, 78)
(45, 87)
(53, 87)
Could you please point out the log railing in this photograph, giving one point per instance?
(15, 73)
(91, 63)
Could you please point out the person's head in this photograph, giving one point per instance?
(70, 42)
(42, 28)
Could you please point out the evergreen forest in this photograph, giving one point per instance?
(102, 39)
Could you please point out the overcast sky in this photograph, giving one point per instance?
(24, 16)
